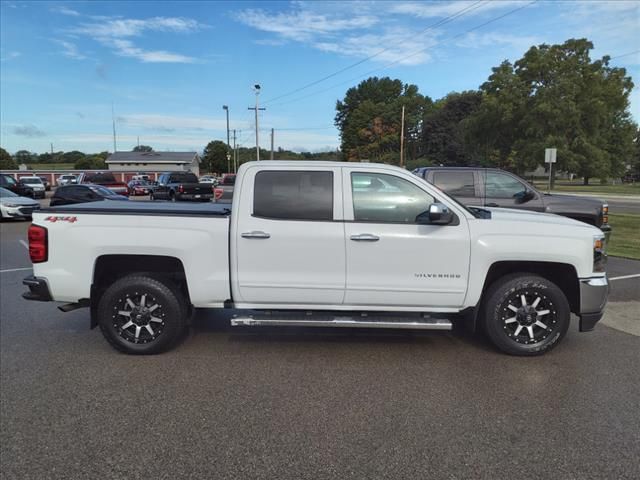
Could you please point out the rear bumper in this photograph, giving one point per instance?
(194, 196)
(593, 298)
(38, 289)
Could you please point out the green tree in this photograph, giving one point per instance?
(24, 156)
(369, 119)
(90, 162)
(6, 160)
(214, 157)
(556, 96)
(443, 139)
(142, 148)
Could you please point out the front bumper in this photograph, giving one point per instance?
(593, 298)
(20, 211)
(606, 229)
(38, 289)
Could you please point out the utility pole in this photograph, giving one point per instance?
(402, 139)
(138, 140)
(226, 109)
(235, 157)
(272, 144)
(52, 148)
(113, 121)
(256, 88)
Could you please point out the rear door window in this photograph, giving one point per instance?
(455, 183)
(293, 195)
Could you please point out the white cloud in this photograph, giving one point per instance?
(9, 56)
(70, 50)
(495, 39)
(445, 9)
(65, 11)
(302, 24)
(116, 33)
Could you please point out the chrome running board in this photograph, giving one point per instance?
(344, 321)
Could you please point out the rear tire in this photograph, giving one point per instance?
(525, 314)
(142, 315)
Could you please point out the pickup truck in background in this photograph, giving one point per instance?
(223, 192)
(177, 186)
(491, 187)
(324, 244)
(104, 179)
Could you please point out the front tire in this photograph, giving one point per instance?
(142, 315)
(525, 314)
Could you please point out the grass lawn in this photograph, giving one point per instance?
(51, 166)
(625, 235)
(596, 188)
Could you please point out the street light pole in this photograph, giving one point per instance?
(226, 109)
(256, 88)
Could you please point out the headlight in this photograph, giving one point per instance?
(605, 213)
(10, 205)
(599, 254)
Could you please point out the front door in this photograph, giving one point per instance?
(506, 191)
(289, 237)
(392, 260)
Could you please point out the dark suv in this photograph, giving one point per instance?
(492, 187)
(10, 183)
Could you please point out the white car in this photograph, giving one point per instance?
(15, 206)
(209, 179)
(321, 244)
(66, 180)
(35, 184)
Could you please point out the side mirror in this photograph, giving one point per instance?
(524, 196)
(438, 214)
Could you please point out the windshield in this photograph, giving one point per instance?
(6, 193)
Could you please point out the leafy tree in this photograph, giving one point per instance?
(71, 157)
(369, 119)
(443, 140)
(90, 162)
(556, 96)
(6, 161)
(24, 156)
(142, 148)
(214, 157)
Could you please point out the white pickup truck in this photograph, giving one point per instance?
(320, 244)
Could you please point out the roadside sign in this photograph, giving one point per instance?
(550, 155)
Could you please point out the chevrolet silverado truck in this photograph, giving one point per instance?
(322, 244)
(491, 187)
(178, 186)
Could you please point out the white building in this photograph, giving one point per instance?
(154, 162)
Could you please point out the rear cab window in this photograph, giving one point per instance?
(294, 195)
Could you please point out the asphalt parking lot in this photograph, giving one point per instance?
(302, 403)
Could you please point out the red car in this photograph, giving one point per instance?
(139, 187)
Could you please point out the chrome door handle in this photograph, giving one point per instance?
(365, 237)
(256, 234)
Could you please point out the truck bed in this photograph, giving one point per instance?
(144, 208)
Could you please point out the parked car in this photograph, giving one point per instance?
(72, 194)
(209, 179)
(139, 187)
(141, 176)
(66, 180)
(491, 187)
(107, 180)
(35, 184)
(176, 186)
(223, 193)
(15, 206)
(10, 183)
(321, 244)
(46, 183)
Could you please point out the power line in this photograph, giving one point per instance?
(484, 24)
(625, 54)
(439, 23)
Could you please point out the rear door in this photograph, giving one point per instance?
(289, 237)
(463, 185)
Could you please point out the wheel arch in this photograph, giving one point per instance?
(564, 275)
(109, 268)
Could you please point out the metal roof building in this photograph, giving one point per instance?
(154, 162)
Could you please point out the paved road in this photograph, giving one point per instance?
(300, 404)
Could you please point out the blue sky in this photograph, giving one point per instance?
(168, 67)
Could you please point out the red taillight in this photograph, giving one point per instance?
(217, 193)
(38, 245)
(180, 189)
